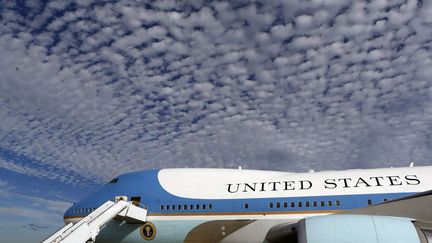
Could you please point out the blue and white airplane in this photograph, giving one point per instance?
(228, 205)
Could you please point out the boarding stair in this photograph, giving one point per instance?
(86, 230)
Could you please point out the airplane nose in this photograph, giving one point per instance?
(73, 214)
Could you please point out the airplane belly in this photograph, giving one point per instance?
(188, 231)
(164, 232)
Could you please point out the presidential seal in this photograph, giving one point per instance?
(148, 231)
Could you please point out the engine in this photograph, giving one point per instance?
(345, 228)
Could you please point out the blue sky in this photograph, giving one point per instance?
(92, 89)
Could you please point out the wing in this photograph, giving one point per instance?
(417, 206)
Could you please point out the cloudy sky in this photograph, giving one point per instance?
(91, 89)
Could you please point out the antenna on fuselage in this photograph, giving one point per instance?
(411, 164)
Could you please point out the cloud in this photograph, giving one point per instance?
(4, 188)
(29, 212)
(93, 89)
(33, 218)
(34, 227)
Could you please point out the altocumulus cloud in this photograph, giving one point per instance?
(96, 88)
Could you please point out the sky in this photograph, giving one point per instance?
(93, 89)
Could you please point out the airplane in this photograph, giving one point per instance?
(237, 205)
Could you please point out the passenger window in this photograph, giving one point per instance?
(322, 204)
(168, 207)
(315, 204)
(300, 204)
(330, 203)
(338, 203)
(185, 207)
(246, 205)
(271, 205)
(278, 205)
(191, 207)
(179, 207)
(197, 206)
(369, 202)
(162, 207)
(307, 204)
(210, 206)
(204, 206)
(285, 204)
(292, 204)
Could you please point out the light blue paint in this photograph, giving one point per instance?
(360, 229)
(166, 232)
(395, 230)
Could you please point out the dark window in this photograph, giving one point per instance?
(184, 207)
(113, 180)
(330, 203)
(338, 203)
(204, 206)
(300, 204)
(136, 200)
(173, 207)
(271, 205)
(315, 204)
(191, 207)
(278, 205)
(168, 207)
(322, 203)
(162, 207)
(246, 205)
(292, 204)
(210, 206)
(197, 206)
(385, 199)
(307, 204)
(285, 204)
(369, 202)
(178, 207)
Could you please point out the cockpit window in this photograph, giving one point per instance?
(113, 181)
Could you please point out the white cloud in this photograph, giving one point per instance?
(120, 86)
(31, 218)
